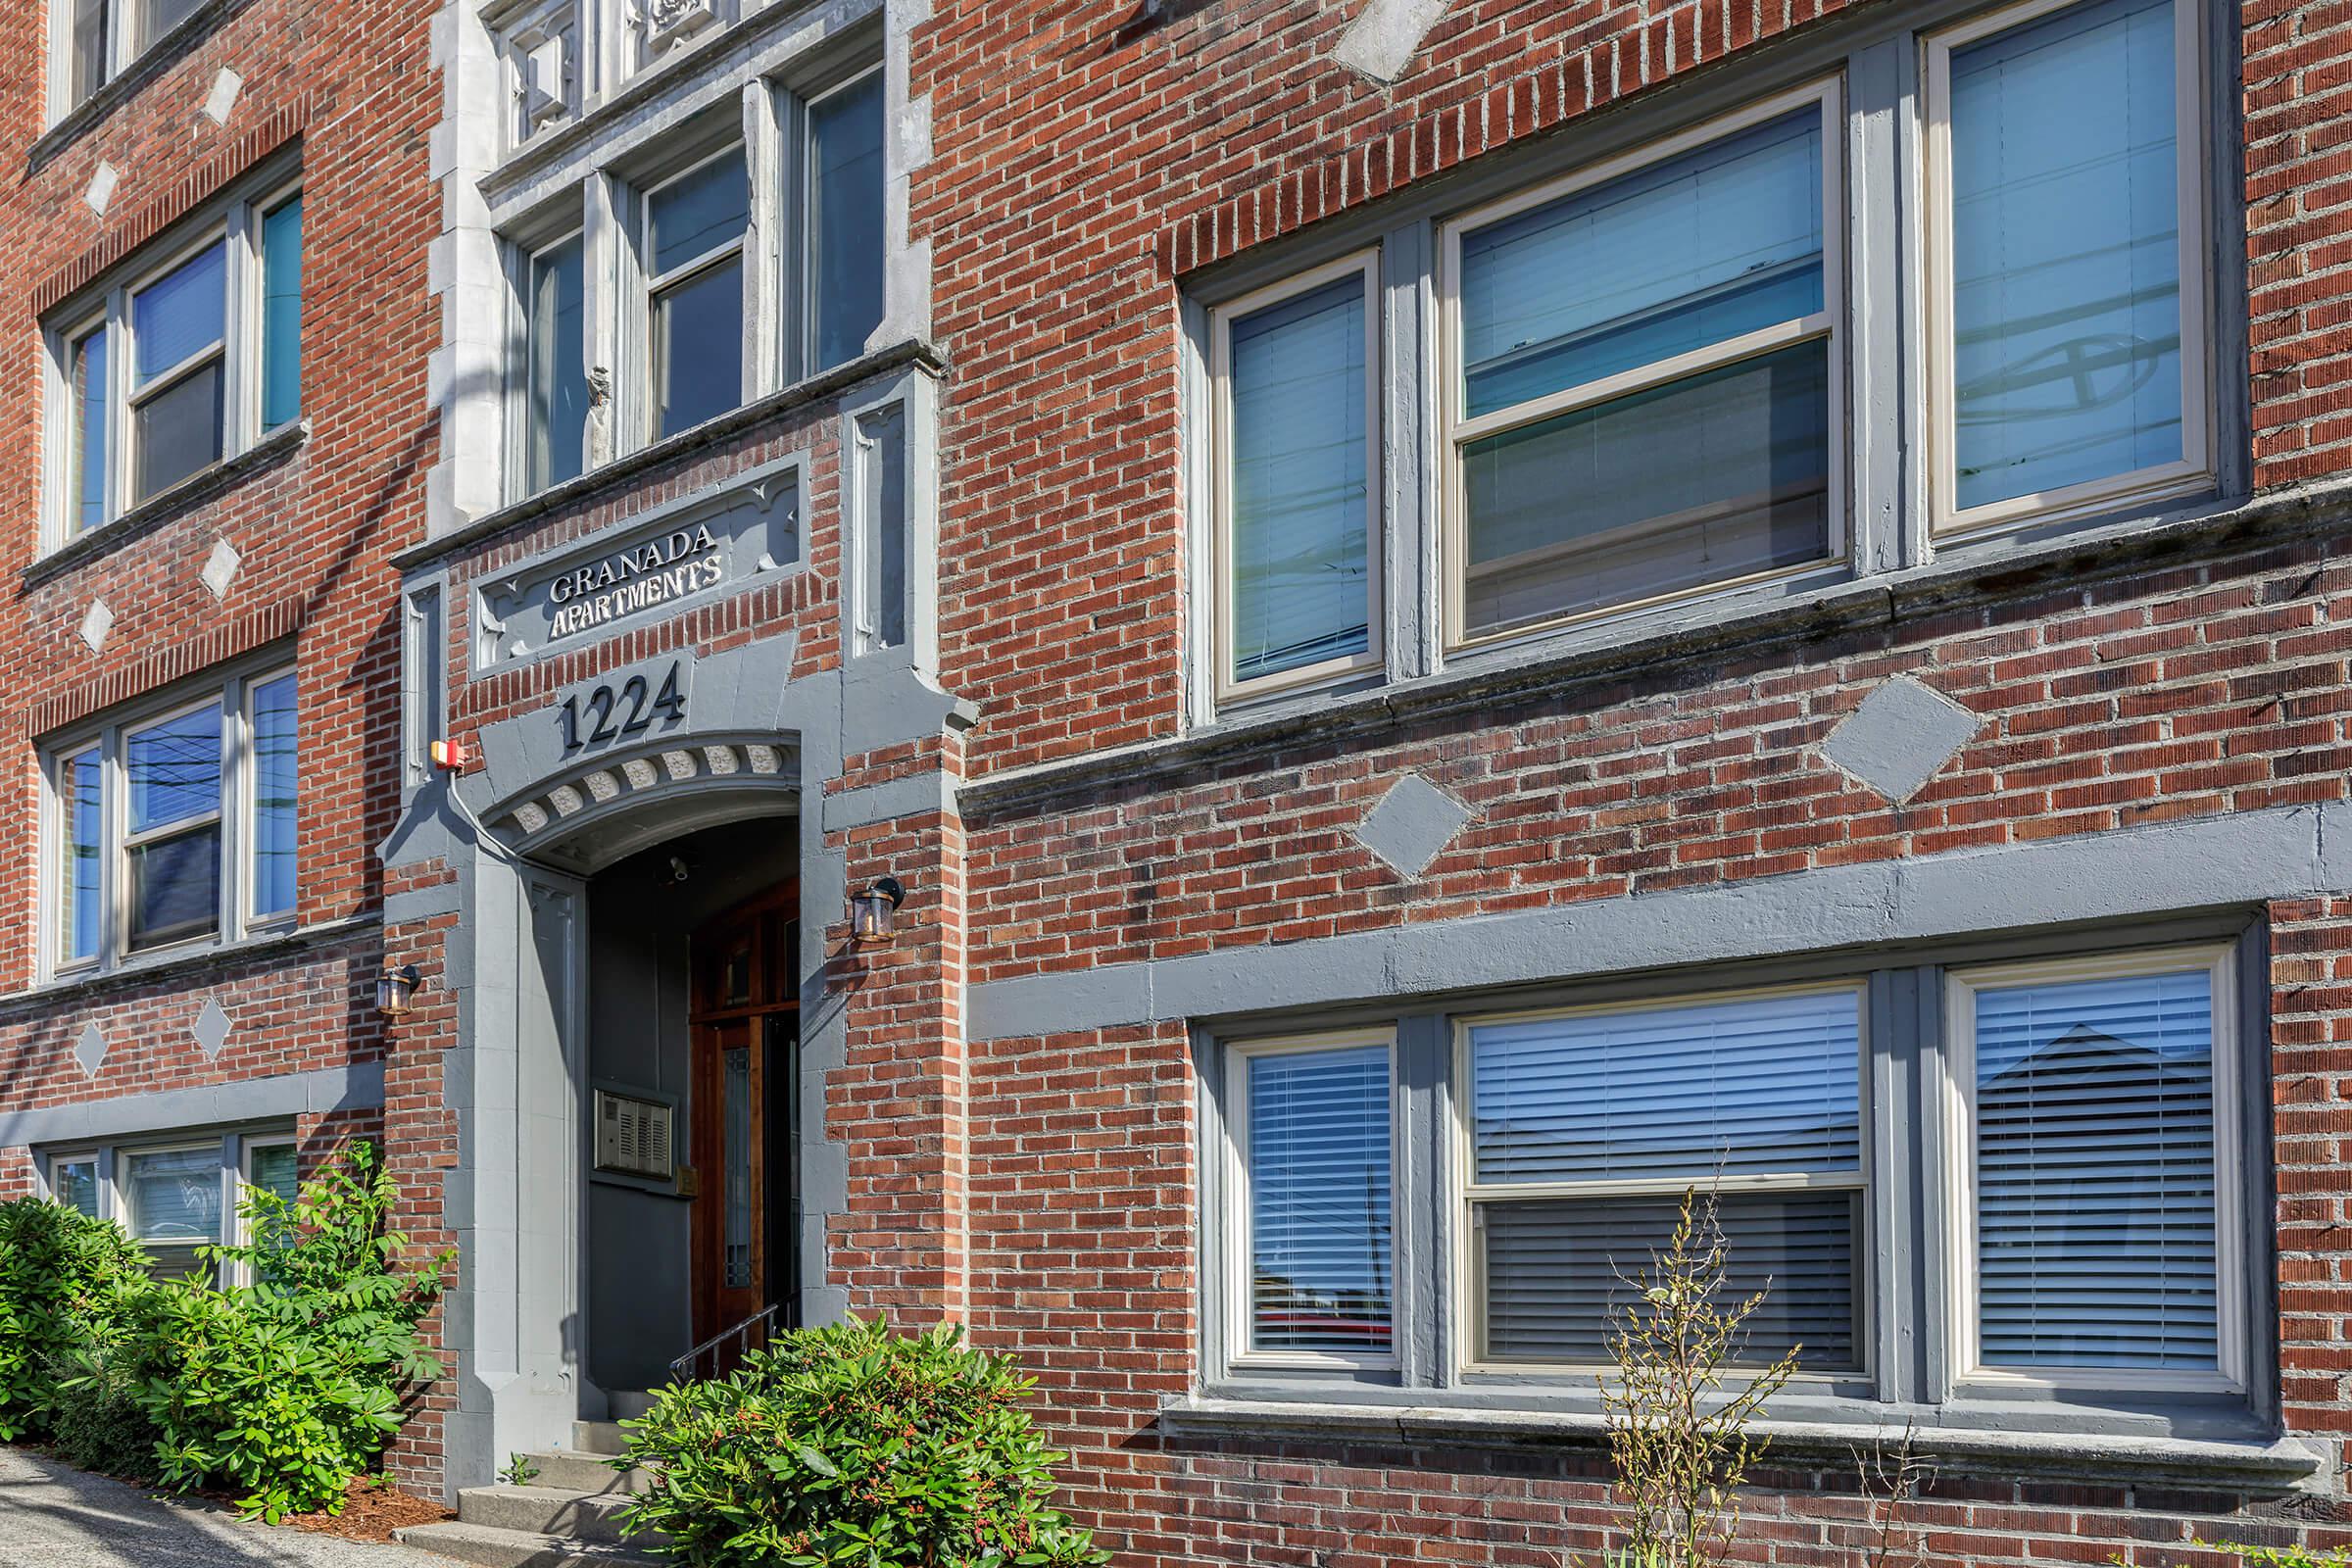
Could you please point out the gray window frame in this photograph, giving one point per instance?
(1878, 64)
(109, 1156)
(231, 689)
(605, 208)
(234, 223)
(1911, 1336)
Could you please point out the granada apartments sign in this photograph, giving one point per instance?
(684, 553)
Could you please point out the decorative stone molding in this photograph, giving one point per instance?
(539, 48)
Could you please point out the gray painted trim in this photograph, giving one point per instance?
(629, 468)
(2239, 858)
(185, 969)
(358, 1086)
(916, 794)
(2281, 1463)
(1985, 570)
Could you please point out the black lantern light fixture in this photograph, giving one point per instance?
(873, 913)
(394, 989)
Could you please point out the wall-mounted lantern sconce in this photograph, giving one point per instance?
(394, 988)
(873, 913)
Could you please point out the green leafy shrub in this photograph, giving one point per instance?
(852, 1445)
(101, 1424)
(66, 1281)
(286, 1387)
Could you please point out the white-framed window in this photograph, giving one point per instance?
(1296, 542)
(694, 224)
(175, 1193)
(730, 287)
(185, 359)
(2094, 1173)
(2067, 237)
(1643, 374)
(1312, 1267)
(100, 39)
(174, 824)
(2036, 1164)
(1578, 1133)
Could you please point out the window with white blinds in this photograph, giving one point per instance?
(2097, 1167)
(1297, 484)
(1317, 1158)
(2036, 1164)
(1586, 1128)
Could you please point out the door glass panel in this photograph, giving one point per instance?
(737, 1099)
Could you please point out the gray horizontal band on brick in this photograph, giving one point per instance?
(357, 1085)
(2284, 851)
(916, 794)
(2280, 1463)
(423, 904)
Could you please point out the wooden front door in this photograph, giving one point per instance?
(745, 1017)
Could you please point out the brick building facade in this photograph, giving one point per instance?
(1432, 621)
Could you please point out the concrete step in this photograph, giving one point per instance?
(575, 1471)
(492, 1547)
(546, 1510)
(598, 1437)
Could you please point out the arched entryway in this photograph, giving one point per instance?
(689, 1042)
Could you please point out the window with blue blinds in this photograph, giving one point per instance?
(1320, 1239)
(2095, 1194)
(1760, 1091)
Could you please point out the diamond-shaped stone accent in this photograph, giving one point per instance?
(1902, 736)
(224, 96)
(221, 567)
(1411, 824)
(96, 622)
(210, 1027)
(101, 189)
(90, 1049)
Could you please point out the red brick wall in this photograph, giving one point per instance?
(350, 83)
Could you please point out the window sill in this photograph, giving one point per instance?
(152, 62)
(1999, 566)
(175, 963)
(629, 466)
(197, 488)
(2281, 1464)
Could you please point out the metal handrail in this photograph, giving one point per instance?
(764, 1320)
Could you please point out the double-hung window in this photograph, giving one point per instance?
(175, 825)
(1728, 369)
(176, 1194)
(1583, 1130)
(179, 364)
(103, 37)
(2067, 235)
(704, 251)
(2042, 1176)
(695, 224)
(1643, 373)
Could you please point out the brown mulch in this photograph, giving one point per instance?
(371, 1513)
